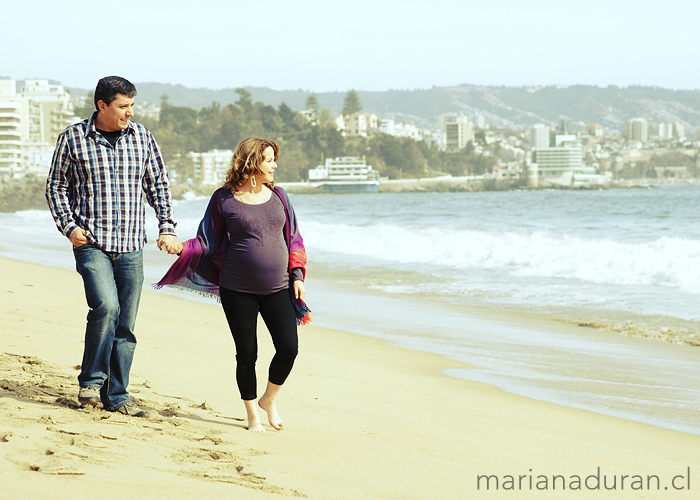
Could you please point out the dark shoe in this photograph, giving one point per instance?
(89, 396)
(132, 410)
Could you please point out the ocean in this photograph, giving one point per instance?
(587, 299)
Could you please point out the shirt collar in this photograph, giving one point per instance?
(91, 129)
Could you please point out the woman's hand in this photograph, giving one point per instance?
(299, 290)
(170, 243)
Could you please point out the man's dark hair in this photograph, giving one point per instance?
(109, 86)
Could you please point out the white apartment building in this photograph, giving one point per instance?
(458, 134)
(407, 130)
(210, 168)
(665, 130)
(594, 129)
(678, 130)
(539, 136)
(359, 123)
(387, 126)
(10, 137)
(637, 129)
(560, 164)
(44, 110)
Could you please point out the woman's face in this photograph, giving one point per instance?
(268, 166)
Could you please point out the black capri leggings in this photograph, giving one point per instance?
(277, 311)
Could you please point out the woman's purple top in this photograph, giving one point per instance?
(257, 257)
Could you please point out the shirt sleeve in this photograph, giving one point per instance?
(157, 187)
(58, 184)
(298, 274)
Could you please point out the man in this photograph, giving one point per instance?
(99, 173)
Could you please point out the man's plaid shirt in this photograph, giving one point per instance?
(100, 188)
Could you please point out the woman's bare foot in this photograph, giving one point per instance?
(254, 423)
(267, 403)
(273, 417)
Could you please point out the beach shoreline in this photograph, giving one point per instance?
(355, 407)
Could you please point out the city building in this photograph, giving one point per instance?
(594, 129)
(210, 167)
(679, 130)
(10, 135)
(344, 174)
(387, 126)
(564, 166)
(359, 123)
(356, 124)
(665, 131)
(33, 118)
(407, 130)
(458, 134)
(445, 118)
(539, 136)
(636, 129)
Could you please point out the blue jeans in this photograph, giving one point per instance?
(113, 284)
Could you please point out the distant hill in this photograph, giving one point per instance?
(507, 107)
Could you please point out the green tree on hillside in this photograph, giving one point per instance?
(312, 102)
(351, 103)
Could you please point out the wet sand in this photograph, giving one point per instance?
(363, 419)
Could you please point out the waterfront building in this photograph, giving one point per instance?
(539, 136)
(31, 121)
(10, 137)
(564, 165)
(636, 129)
(458, 134)
(344, 174)
(210, 168)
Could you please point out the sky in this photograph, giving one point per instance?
(368, 45)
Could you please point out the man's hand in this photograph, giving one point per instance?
(170, 243)
(78, 237)
(299, 290)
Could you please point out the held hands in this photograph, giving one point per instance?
(299, 290)
(169, 243)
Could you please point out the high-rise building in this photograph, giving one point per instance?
(678, 130)
(636, 129)
(554, 162)
(594, 129)
(539, 137)
(43, 111)
(665, 130)
(210, 167)
(458, 135)
(10, 130)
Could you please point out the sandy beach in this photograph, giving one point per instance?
(364, 420)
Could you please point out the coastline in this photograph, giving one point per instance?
(355, 408)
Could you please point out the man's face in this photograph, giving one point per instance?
(115, 116)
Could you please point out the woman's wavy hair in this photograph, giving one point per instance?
(246, 161)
